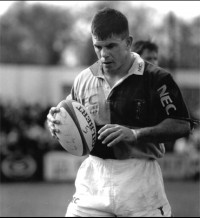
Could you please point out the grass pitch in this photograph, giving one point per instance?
(51, 199)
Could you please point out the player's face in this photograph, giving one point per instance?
(150, 56)
(112, 52)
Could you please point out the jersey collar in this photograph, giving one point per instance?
(136, 69)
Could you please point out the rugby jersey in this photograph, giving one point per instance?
(144, 97)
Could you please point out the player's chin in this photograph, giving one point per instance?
(109, 66)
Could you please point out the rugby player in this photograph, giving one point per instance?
(147, 50)
(137, 107)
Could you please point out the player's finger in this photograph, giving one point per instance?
(55, 136)
(112, 136)
(107, 131)
(54, 133)
(107, 126)
(115, 141)
(54, 110)
(51, 119)
(52, 129)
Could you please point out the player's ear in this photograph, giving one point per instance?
(129, 42)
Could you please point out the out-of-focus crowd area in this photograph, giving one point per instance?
(24, 131)
(24, 140)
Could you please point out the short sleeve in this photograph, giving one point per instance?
(72, 95)
(74, 90)
(169, 99)
(69, 97)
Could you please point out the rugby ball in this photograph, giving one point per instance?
(77, 130)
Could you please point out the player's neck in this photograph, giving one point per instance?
(113, 77)
(120, 72)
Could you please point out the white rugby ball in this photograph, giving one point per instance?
(77, 130)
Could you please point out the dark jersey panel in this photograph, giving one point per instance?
(164, 96)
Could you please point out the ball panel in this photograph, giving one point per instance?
(69, 136)
(68, 105)
(87, 124)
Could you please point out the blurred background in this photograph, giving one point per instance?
(43, 46)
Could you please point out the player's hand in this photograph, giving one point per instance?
(112, 134)
(51, 121)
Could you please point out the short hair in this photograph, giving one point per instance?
(141, 45)
(108, 22)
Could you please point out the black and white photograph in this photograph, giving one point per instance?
(99, 108)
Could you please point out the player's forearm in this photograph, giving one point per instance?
(168, 130)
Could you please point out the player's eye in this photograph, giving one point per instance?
(110, 46)
(97, 47)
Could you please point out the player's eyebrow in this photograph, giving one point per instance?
(109, 45)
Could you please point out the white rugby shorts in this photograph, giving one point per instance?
(110, 188)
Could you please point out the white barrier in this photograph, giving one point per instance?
(177, 166)
(61, 166)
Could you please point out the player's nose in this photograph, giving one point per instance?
(104, 53)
